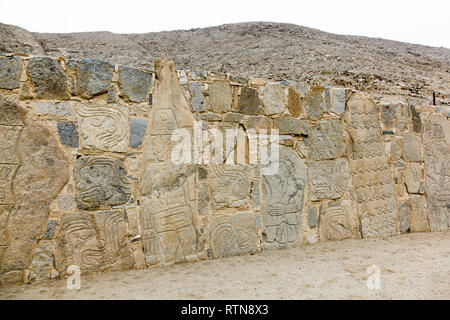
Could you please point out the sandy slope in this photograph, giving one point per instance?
(414, 266)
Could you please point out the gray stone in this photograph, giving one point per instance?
(197, 101)
(338, 220)
(53, 108)
(50, 231)
(255, 193)
(49, 80)
(404, 212)
(204, 202)
(100, 182)
(10, 72)
(138, 128)
(312, 216)
(339, 101)
(396, 149)
(233, 117)
(113, 95)
(325, 140)
(220, 96)
(412, 147)
(93, 77)
(314, 104)
(134, 84)
(272, 96)
(68, 134)
(414, 175)
(417, 126)
(291, 126)
(249, 102)
(210, 116)
(41, 264)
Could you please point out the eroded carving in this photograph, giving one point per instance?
(100, 182)
(328, 179)
(338, 221)
(103, 127)
(283, 200)
(325, 140)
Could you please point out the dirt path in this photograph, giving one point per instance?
(414, 266)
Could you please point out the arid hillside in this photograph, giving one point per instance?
(270, 50)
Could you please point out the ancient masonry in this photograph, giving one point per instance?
(86, 176)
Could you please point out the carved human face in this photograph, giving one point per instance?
(82, 245)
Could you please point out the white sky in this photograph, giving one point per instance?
(415, 21)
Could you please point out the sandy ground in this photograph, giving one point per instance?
(414, 266)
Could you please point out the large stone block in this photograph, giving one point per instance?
(233, 235)
(54, 108)
(291, 126)
(93, 77)
(412, 147)
(418, 215)
(414, 177)
(314, 103)
(134, 84)
(272, 96)
(103, 128)
(68, 134)
(100, 182)
(338, 100)
(138, 128)
(339, 220)
(220, 96)
(10, 72)
(328, 179)
(249, 102)
(49, 80)
(283, 196)
(325, 140)
(294, 102)
(197, 102)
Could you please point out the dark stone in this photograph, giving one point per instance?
(202, 173)
(388, 132)
(50, 231)
(68, 134)
(150, 99)
(291, 126)
(93, 77)
(134, 84)
(312, 217)
(49, 80)
(388, 115)
(249, 102)
(233, 117)
(138, 127)
(10, 72)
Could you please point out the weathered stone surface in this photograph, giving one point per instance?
(283, 195)
(93, 77)
(197, 102)
(401, 116)
(412, 147)
(416, 121)
(291, 126)
(41, 264)
(370, 171)
(100, 182)
(414, 176)
(10, 72)
(314, 104)
(68, 134)
(339, 221)
(258, 122)
(138, 128)
(233, 117)
(170, 232)
(436, 139)
(103, 127)
(53, 108)
(312, 217)
(404, 212)
(50, 231)
(48, 78)
(294, 102)
(328, 179)
(113, 95)
(94, 242)
(230, 186)
(233, 235)
(134, 84)
(204, 199)
(387, 115)
(249, 102)
(211, 116)
(338, 101)
(325, 140)
(272, 96)
(418, 215)
(38, 178)
(220, 96)
(396, 149)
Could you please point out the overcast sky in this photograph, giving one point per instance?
(415, 21)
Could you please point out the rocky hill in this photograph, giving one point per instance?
(261, 49)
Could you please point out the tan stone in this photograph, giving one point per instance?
(418, 215)
(294, 102)
(220, 96)
(339, 220)
(272, 96)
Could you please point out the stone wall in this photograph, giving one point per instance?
(87, 179)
